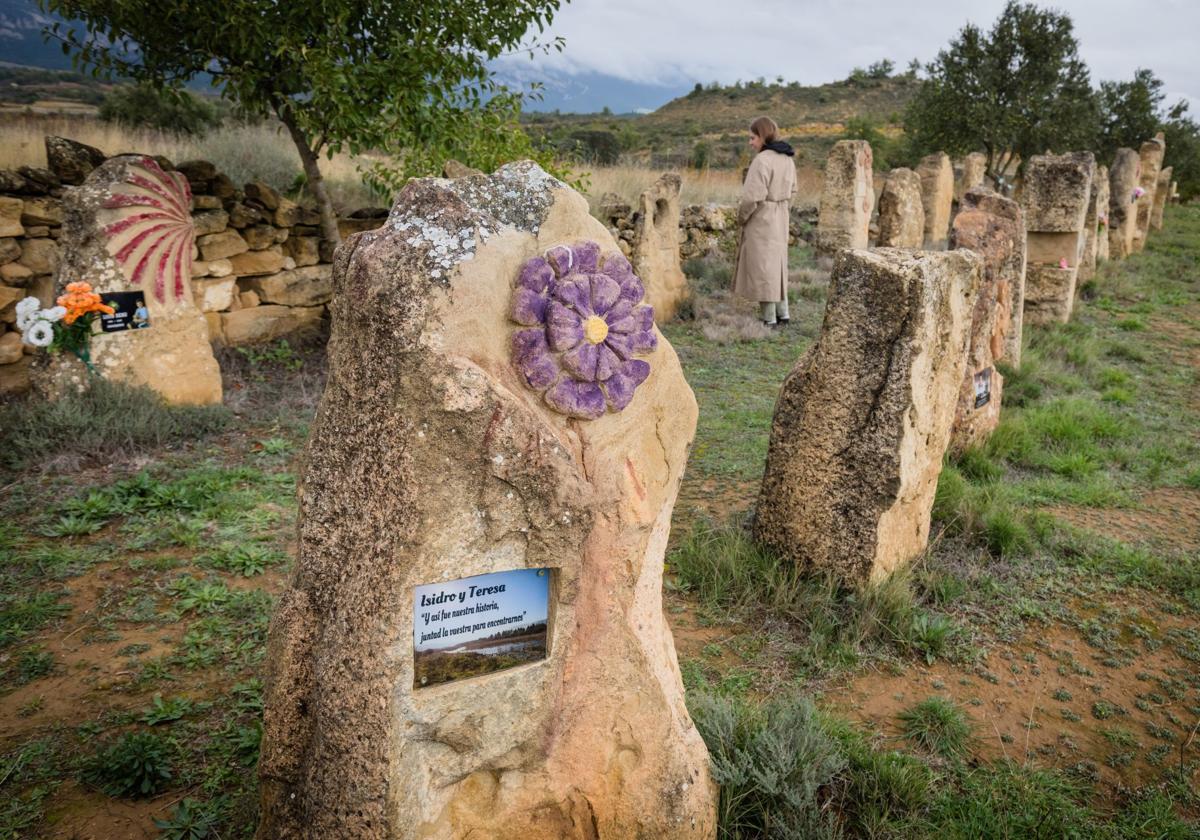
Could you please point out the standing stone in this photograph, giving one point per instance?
(1055, 198)
(451, 442)
(1092, 231)
(1103, 202)
(1151, 155)
(937, 197)
(970, 173)
(656, 247)
(994, 228)
(901, 217)
(128, 229)
(847, 198)
(1162, 192)
(864, 418)
(1123, 179)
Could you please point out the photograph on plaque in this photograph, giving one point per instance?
(983, 387)
(478, 625)
(129, 312)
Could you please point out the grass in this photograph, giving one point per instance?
(243, 152)
(108, 419)
(937, 726)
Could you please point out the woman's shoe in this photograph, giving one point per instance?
(783, 322)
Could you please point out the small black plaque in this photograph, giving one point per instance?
(983, 387)
(129, 312)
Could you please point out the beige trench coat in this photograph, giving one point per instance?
(763, 216)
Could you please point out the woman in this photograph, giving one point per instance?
(762, 271)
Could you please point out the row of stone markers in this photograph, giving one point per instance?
(905, 365)
(258, 269)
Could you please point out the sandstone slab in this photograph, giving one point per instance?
(993, 227)
(10, 216)
(210, 221)
(1056, 194)
(220, 246)
(40, 255)
(1123, 179)
(71, 160)
(305, 250)
(969, 173)
(42, 211)
(214, 294)
(252, 263)
(655, 254)
(437, 455)
(1151, 154)
(901, 216)
(310, 286)
(128, 229)
(255, 324)
(15, 378)
(937, 198)
(1162, 193)
(10, 348)
(864, 418)
(847, 197)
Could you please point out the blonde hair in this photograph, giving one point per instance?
(765, 128)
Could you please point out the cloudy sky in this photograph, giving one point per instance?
(675, 43)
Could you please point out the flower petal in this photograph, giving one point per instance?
(616, 266)
(644, 341)
(632, 289)
(536, 275)
(564, 327)
(576, 399)
(607, 362)
(621, 344)
(643, 316)
(532, 358)
(619, 388)
(581, 362)
(575, 292)
(587, 256)
(528, 307)
(562, 259)
(605, 292)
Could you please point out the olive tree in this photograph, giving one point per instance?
(1013, 92)
(350, 75)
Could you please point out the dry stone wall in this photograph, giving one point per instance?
(260, 268)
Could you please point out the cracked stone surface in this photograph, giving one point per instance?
(864, 418)
(431, 460)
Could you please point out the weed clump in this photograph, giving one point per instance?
(136, 765)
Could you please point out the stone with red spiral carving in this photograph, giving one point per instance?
(148, 222)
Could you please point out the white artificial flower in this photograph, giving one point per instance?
(40, 333)
(54, 313)
(27, 312)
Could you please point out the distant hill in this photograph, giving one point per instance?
(709, 124)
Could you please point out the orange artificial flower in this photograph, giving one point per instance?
(79, 300)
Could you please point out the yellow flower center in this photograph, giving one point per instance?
(595, 329)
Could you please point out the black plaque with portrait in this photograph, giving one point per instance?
(129, 312)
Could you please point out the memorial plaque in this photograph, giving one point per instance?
(478, 625)
(129, 312)
(983, 388)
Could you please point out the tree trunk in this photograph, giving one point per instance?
(312, 172)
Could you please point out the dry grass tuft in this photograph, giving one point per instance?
(243, 152)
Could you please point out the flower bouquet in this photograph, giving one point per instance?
(67, 326)
(1138, 192)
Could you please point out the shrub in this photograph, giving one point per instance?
(137, 765)
(108, 418)
(771, 762)
(142, 106)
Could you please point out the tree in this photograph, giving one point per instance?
(339, 74)
(881, 69)
(1129, 112)
(1013, 92)
(143, 105)
(1183, 150)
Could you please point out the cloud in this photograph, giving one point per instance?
(671, 42)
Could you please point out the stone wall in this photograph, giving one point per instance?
(261, 269)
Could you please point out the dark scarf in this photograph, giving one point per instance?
(781, 147)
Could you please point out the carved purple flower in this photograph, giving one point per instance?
(588, 322)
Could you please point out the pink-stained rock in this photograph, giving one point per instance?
(1056, 193)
